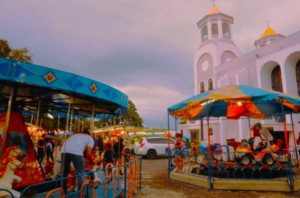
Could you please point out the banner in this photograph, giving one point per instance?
(19, 167)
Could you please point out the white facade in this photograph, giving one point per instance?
(219, 62)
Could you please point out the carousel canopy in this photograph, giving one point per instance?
(235, 101)
(53, 90)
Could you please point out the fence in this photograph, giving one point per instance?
(238, 165)
(6, 193)
(107, 182)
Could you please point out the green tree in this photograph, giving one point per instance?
(16, 54)
(4, 49)
(131, 118)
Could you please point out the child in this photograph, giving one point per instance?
(108, 155)
(179, 145)
(49, 150)
(108, 161)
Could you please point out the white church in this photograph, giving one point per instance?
(218, 62)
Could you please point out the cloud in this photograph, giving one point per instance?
(135, 45)
(153, 101)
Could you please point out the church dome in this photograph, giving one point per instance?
(267, 37)
(269, 31)
(214, 10)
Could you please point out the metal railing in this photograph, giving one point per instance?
(270, 166)
(112, 183)
(8, 192)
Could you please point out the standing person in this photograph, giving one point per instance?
(118, 148)
(187, 144)
(180, 146)
(72, 151)
(265, 133)
(100, 144)
(41, 148)
(49, 149)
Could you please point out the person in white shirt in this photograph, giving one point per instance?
(72, 151)
(265, 133)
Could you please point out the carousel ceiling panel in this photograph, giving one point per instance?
(56, 89)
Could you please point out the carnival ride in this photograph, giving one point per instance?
(36, 91)
(240, 160)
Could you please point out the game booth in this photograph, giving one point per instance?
(238, 165)
(28, 90)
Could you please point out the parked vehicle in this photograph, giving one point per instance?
(152, 146)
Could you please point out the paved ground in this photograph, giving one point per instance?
(156, 184)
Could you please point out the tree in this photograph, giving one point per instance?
(131, 118)
(16, 54)
(4, 49)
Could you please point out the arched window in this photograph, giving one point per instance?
(210, 84)
(226, 31)
(298, 76)
(214, 30)
(202, 88)
(276, 79)
(204, 33)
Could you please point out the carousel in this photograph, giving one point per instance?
(36, 92)
(238, 165)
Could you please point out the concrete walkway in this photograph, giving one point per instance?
(156, 184)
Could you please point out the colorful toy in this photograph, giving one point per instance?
(263, 153)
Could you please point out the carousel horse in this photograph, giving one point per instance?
(228, 153)
(223, 153)
(48, 170)
(8, 177)
(9, 165)
(216, 152)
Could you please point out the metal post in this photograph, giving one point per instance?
(209, 149)
(63, 160)
(31, 118)
(289, 166)
(125, 181)
(201, 127)
(92, 118)
(294, 139)
(58, 120)
(38, 114)
(12, 93)
(285, 132)
(169, 160)
(72, 112)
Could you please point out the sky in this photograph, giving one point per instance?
(144, 48)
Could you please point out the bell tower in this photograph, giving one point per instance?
(267, 37)
(216, 48)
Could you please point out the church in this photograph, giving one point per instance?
(274, 64)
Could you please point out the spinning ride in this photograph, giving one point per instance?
(234, 102)
(36, 91)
